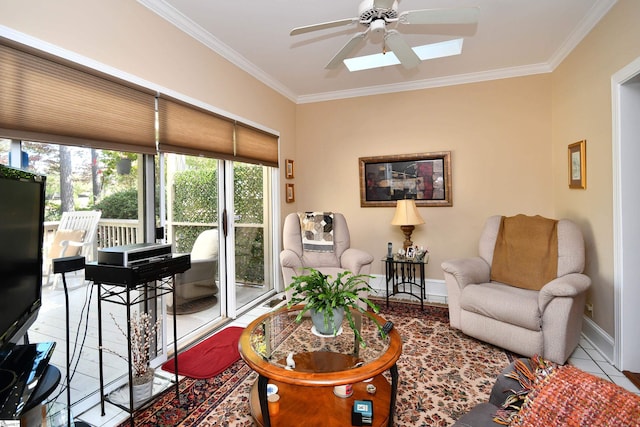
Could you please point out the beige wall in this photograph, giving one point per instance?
(499, 135)
(508, 138)
(129, 37)
(581, 109)
(509, 143)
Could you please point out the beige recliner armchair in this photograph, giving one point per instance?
(331, 255)
(515, 315)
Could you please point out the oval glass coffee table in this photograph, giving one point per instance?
(306, 391)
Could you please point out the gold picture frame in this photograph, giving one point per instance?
(290, 193)
(425, 177)
(288, 168)
(578, 165)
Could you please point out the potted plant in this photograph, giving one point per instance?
(142, 333)
(328, 299)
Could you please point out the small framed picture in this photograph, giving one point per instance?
(578, 165)
(411, 252)
(291, 195)
(289, 168)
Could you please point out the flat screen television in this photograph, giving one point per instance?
(22, 198)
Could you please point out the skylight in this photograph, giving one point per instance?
(427, 51)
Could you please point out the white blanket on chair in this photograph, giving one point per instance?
(317, 231)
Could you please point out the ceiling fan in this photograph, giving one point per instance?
(376, 15)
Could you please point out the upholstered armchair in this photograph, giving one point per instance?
(199, 281)
(329, 255)
(538, 308)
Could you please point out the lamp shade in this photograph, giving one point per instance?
(407, 213)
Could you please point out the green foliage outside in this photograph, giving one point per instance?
(122, 205)
(248, 200)
(195, 201)
(248, 193)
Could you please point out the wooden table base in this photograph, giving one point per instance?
(318, 406)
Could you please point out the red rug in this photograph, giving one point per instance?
(210, 357)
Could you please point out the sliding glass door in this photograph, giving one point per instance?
(219, 212)
(190, 216)
(252, 234)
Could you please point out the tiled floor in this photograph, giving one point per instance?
(590, 360)
(584, 357)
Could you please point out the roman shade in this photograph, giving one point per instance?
(48, 99)
(188, 129)
(256, 146)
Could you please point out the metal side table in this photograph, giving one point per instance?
(406, 276)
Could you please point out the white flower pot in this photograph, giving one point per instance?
(142, 392)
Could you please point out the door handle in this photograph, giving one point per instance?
(224, 223)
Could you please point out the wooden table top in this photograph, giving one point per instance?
(320, 361)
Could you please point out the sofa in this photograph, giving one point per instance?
(537, 392)
(525, 291)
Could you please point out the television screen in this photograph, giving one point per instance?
(21, 233)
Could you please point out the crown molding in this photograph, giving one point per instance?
(459, 79)
(194, 30)
(597, 12)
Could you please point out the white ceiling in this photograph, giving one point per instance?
(512, 38)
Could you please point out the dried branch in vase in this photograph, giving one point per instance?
(142, 333)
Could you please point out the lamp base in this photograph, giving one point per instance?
(407, 230)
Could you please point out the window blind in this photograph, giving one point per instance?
(45, 98)
(187, 129)
(256, 146)
(48, 99)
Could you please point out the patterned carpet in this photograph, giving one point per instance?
(443, 374)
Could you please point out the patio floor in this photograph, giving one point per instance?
(83, 336)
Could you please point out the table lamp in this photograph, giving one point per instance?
(407, 217)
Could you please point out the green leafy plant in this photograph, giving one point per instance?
(321, 293)
(120, 205)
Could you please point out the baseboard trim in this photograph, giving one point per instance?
(599, 339)
(436, 290)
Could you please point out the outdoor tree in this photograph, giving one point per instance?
(66, 179)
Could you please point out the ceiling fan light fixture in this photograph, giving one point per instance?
(424, 52)
(377, 26)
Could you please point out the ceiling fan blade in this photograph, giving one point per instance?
(322, 26)
(383, 4)
(346, 50)
(401, 49)
(467, 15)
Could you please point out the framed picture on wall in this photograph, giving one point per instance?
(425, 177)
(578, 165)
(290, 193)
(289, 168)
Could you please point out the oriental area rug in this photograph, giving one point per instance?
(443, 374)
